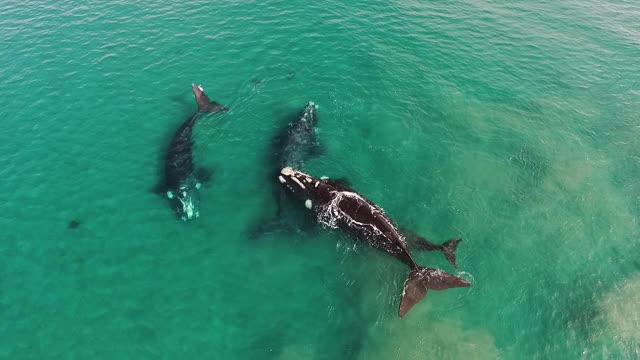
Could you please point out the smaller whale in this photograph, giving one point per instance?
(291, 146)
(337, 206)
(296, 144)
(299, 140)
(180, 180)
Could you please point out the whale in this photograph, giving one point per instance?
(291, 146)
(295, 144)
(299, 140)
(338, 206)
(181, 182)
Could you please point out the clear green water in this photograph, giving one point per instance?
(512, 124)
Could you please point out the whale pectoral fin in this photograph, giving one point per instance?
(264, 228)
(422, 279)
(280, 223)
(204, 174)
(418, 243)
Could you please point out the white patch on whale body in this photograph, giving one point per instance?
(308, 180)
(308, 204)
(331, 215)
(170, 194)
(200, 87)
(282, 180)
(317, 183)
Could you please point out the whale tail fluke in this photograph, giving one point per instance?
(449, 250)
(204, 103)
(422, 279)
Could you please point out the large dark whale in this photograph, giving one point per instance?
(337, 206)
(180, 180)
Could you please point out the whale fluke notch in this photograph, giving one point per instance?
(422, 279)
(204, 103)
(204, 174)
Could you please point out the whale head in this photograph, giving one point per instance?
(186, 200)
(189, 209)
(310, 190)
(309, 114)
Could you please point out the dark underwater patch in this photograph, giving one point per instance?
(73, 224)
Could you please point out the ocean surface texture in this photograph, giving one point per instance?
(512, 124)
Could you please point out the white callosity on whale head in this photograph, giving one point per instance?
(188, 209)
(292, 174)
(295, 179)
(281, 179)
(289, 171)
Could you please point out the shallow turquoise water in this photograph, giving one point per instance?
(512, 125)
